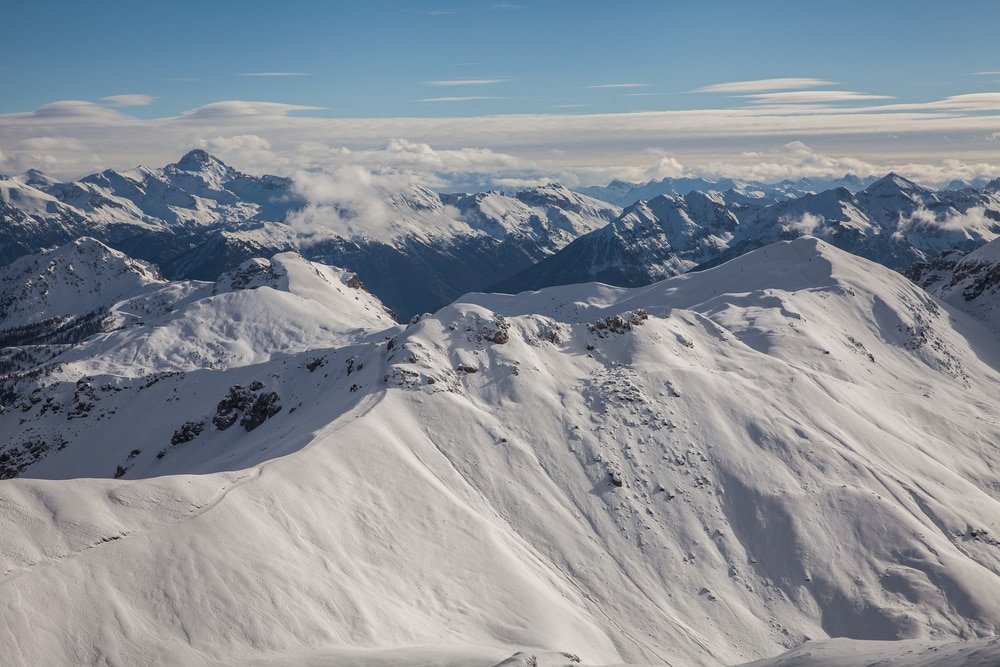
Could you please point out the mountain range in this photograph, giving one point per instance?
(198, 218)
(892, 221)
(625, 194)
(795, 445)
(419, 250)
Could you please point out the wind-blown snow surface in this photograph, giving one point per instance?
(708, 470)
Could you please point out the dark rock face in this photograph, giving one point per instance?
(187, 432)
(263, 408)
(618, 324)
(248, 406)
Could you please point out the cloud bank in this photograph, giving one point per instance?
(816, 133)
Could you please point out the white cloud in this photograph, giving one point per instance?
(812, 97)
(973, 223)
(240, 108)
(522, 183)
(465, 82)
(764, 85)
(353, 200)
(73, 110)
(246, 149)
(792, 160)
(807, 223)
(932, 144)
(129, 100)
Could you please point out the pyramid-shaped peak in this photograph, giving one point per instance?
(893, 181)
(198, 160)
(37, 179)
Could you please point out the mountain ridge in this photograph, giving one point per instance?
(626, 474)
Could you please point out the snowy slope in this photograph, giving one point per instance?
(146, 325)
(78, 278)
(662, 237)
(708, 470)
(846, 653)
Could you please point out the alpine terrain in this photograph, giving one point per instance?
(792, 451)
(199, 217)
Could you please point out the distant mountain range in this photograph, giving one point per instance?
(892, 221)
(733, 191)
(198, 218)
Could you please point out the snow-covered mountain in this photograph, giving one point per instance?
(970, 281)
(198, 218)
(797, 444)
(418, 250)
(733, 191)
(81, 277)
(152, 213)
(893, 221)
(85, 309)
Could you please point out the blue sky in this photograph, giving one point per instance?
(517, 92)
(374, 58)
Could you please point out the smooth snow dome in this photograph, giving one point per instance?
(797, 444)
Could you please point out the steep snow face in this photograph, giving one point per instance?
(75, 279)
(26, 197)
(550, 215)
(157, 213)
(703, 471)
(543, 219)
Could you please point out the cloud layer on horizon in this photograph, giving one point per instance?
(780, 134)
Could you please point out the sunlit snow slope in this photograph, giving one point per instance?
(708, 470)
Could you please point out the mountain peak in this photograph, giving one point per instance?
(37, 179)
(198, 160)
(893, 181)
